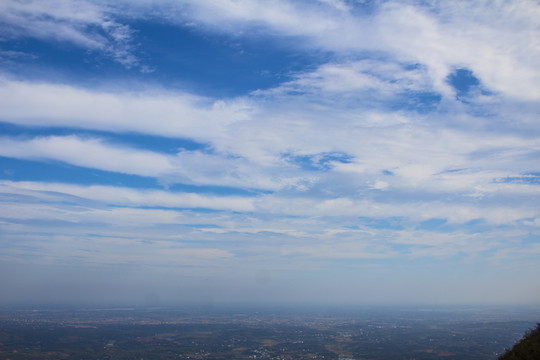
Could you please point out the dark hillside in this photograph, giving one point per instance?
(527, 348)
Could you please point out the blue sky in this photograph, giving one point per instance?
(280, 151)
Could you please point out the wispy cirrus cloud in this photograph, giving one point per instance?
(81, 23)
(123, 196)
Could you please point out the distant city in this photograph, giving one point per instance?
(193, 332)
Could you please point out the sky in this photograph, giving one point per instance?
(269, 152)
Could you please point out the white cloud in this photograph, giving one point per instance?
(369, 80)
(283, 16)
(534, 222)
(167, 114)
(88, 153)
(380, 185)
(122, 196)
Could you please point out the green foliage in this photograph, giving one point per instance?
(527, 348)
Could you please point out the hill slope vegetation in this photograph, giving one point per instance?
(528, 348)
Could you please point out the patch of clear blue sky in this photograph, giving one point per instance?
(443, 226)
(54, 171)
(168, 145)
(532, 178)
(398, 223)
(203, 226)
(317, 162)
(418, 101)
(218, 190)
(192, 209)
(54, 224)
(463, 80)
(466, 84)
(219, 65)
(433, 224)
(181, 57)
